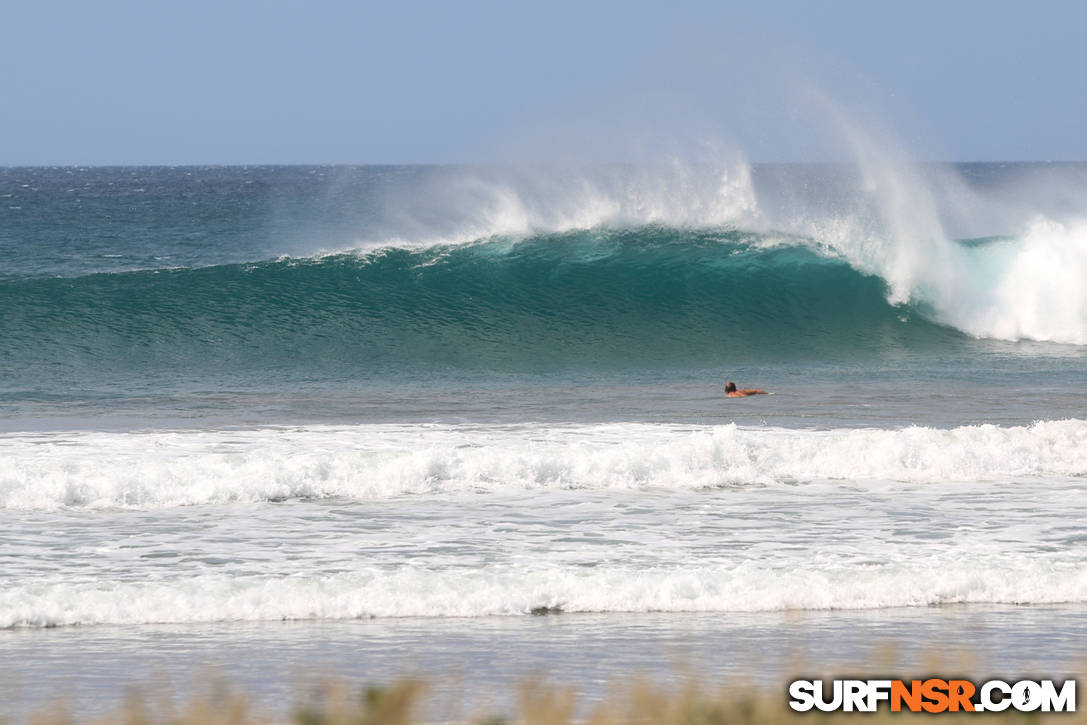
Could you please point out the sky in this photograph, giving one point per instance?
(246, 81)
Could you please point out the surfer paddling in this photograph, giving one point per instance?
(732, 392)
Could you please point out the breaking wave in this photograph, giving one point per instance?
(366, 462)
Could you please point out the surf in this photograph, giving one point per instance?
(371, 462)
(599, 298)
(496, 590)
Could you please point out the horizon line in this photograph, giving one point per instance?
(448, 164)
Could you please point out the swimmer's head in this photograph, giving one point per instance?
(730, 387)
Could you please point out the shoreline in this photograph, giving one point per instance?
(474, 658)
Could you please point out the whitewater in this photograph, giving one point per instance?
(447, 522)
(469, 521)
(154, 470)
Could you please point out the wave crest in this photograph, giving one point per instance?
(597, 299)
(604, 299)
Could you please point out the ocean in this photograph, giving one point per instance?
(471, 421)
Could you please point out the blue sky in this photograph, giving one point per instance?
(115, 82)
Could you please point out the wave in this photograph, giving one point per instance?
(1022, 288)
(602, 298)
(157, 470)
(407, 591)
(885, 217)
(535, 268)
(591, 298)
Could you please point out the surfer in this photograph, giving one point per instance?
(732, 392)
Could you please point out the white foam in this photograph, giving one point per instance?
(364, 462)
(408, 591)
(1030, 287)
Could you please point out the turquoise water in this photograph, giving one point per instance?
(290, 294)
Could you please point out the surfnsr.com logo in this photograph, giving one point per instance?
(932, 695)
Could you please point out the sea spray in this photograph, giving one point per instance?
(594, 299)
